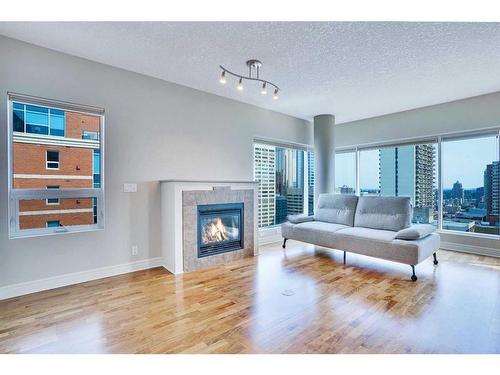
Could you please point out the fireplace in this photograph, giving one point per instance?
(220, 228)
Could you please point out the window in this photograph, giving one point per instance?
(52, 159)
(457, 189)
(368, 172)
(96, 167)
(56, 175)
(310, 182)
(345, 172)
(405, 170)
(283, 182)
(471, 184)
(38, 120)
(90, 135)
(53, 201)
(53, 223)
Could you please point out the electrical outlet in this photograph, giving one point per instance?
(130, 188)
(135, 250)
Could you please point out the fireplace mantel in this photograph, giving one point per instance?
(172, 214)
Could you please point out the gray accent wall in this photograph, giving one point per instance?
(155, 130)
(475, 113)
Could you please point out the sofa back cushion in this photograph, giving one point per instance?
(386, 213)
(336, 208)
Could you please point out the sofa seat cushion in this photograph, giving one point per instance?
(336, 208)
(369, 234)
(382, 244)
(314, 232)
(384, 213)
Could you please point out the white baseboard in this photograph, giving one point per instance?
(270, 235)
(487, 251)
(20, 289)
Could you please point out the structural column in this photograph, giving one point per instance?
(324, 155)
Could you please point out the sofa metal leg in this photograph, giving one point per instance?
(413, 276)
(284, 243)
(435, 259)
(344, 256)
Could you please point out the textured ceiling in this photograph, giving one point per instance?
(354, 70)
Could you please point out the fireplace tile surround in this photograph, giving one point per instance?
(180, 205)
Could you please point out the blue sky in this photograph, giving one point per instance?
(463, 160)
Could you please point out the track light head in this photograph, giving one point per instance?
(240, 85)
(264, 89)
(222, 79)
(275, 96)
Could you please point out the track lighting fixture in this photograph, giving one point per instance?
(222, 79)
(253, 75)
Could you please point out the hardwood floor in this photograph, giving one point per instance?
(301, 301)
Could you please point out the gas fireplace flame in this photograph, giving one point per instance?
(216, 231)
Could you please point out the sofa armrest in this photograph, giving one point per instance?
(415, 232)
(297, 219)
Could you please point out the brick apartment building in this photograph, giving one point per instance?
(55, 149)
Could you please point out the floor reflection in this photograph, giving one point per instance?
(302, 300)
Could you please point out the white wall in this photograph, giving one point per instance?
(154, 130)
(474, 113)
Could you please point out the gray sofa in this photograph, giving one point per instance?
(376, 226)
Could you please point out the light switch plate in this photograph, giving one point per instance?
(130, 188)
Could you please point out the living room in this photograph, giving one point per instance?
(250, 187)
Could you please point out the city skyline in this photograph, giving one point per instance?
(474, 153)
(282, 178)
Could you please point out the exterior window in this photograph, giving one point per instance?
(471, 185)
(345, 172)
(407, 170)
(310, 182)
(46, 195)
(283, 188)
(38, 120)
(90, 135)
(53, 201)
(52, 159)
(457, 190)
(57, 122)
(368, 172)
(96, 169)
(96, 180)
(19, 117)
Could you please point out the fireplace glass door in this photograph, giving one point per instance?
(220, 228)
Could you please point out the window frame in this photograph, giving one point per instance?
(52, 162)
(287, 145)
(356, 167)
(438, 140)
(16, 195)
(52, 221)
(48, 199)
(90, 132)
(462, 136)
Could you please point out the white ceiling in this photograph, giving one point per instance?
(354, 70)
